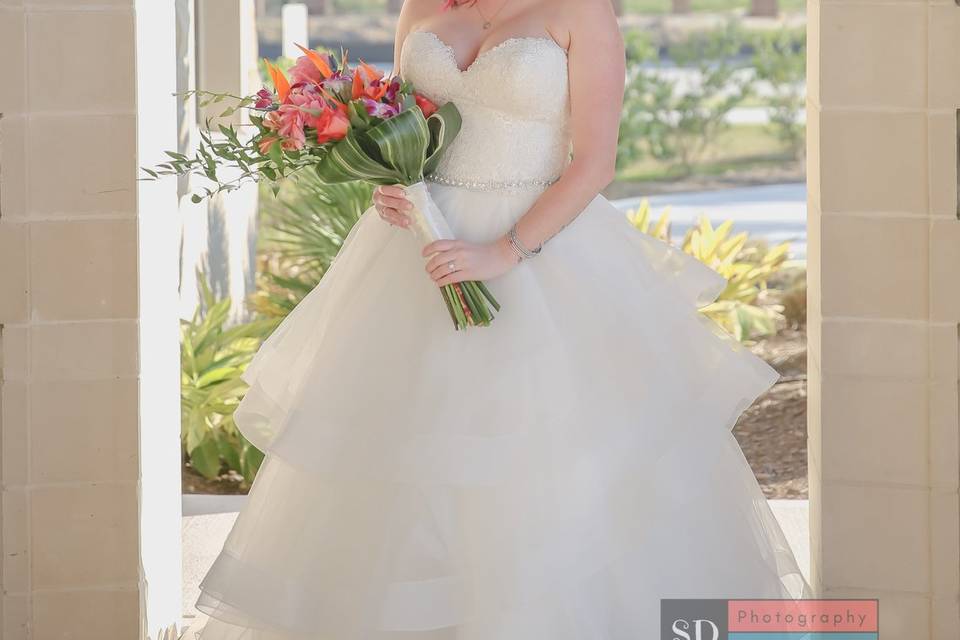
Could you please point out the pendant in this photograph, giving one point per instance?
(486, 25)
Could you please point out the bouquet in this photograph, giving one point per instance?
(345, 123)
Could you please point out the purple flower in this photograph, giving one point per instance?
(338, 85)
(392, 89)
(264, 99)
(380, 109)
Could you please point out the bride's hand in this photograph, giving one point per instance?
(454, 261)
(391, 203)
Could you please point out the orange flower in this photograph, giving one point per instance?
(266, 143)
(318, 61)
(332, 124)
(425, 105)
(368, 82)
(279, 81)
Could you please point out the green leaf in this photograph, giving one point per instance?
(230, 453)
(206, 459)
(444, 125)
(251, 461)
(276, 155)
(403, 141)
(348, 160)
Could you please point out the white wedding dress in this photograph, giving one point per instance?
(549, 477)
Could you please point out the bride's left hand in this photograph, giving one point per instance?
(470, 261)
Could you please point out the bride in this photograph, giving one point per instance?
(550, 477)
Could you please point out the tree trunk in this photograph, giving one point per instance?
(680, 6)
(319, 7)
(764, 8)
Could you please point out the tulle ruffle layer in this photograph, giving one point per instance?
(551, 476)
(598, 350)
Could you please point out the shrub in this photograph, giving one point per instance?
(746, 264)
(301, 232)
(647, 97)
(212, 358)
(780, 58)
(675, 121)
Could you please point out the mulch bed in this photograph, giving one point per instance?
(773, 432)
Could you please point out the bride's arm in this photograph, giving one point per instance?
(596, 68)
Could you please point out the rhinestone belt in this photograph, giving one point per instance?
(490, 185)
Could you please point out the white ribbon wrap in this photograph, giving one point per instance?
(426, 219)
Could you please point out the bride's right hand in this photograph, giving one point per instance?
(391, 203)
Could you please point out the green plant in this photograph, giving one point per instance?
(212, 358)
(647, 97)
(677, 121)
(780, 59)
(699, 111)
(302, 229)
(791, 286)
(746, 265)
(642, 219)
(301, 232)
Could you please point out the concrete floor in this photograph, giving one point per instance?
(207, 520)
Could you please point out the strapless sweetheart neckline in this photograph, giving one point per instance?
(452, 53)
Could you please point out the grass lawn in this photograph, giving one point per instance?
(740, 147)
(658, 7)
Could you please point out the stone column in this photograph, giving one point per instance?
(884, 307)
(88, 328)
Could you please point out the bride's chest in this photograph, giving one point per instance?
(520, 77)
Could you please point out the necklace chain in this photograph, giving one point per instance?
(488, 22)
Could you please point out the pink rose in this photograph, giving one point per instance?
(304, 71)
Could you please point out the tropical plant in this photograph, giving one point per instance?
(780, 59)
(301, 232)
(302, 229)
(747, 266)
(642, 219)
(212, 358)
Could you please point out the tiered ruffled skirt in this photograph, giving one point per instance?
(550, 477)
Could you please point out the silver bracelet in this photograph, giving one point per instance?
(518, 248)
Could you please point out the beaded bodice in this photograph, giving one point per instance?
(514, 103)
